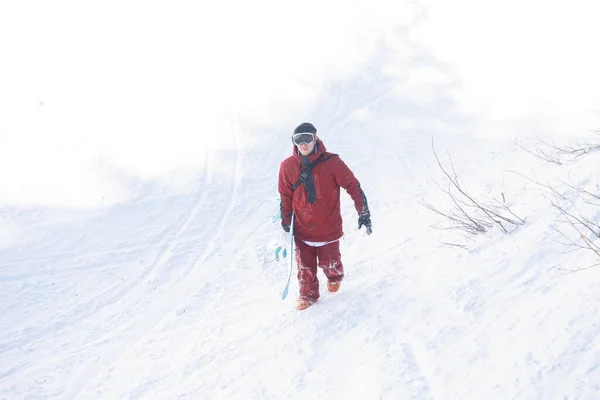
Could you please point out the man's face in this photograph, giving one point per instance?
(305, 142)
(306, 148)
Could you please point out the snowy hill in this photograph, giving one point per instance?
(138, 204)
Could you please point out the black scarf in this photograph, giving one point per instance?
(309, 185)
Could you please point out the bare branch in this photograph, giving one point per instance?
(580, 190)
(540, 152)
(551, 190)
(461, 246)
(578, 220)
(555, 154)
(575, 270)
(591, 245)
(467, 213)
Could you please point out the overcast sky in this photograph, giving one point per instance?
(94, 92)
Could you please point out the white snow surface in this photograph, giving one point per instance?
(139, 149)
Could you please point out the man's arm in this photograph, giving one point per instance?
(345, 178)
(285, 192)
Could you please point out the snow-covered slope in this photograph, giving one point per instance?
(175, 294)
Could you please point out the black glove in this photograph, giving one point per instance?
(365, 220)
(286, 228)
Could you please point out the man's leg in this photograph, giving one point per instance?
(306, 258)
(331, 261)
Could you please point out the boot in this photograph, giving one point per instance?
(303, 304)
(333, 286)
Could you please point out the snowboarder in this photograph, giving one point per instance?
(309, 185)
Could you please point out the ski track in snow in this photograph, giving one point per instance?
(182, 289)
(136, 319)
(132, 289)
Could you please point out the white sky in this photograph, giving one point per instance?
(520, 59)
(92, 93)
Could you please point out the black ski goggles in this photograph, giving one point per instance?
(303, 138)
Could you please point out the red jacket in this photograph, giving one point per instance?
(321, 221)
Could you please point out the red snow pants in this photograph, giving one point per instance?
(308, 258)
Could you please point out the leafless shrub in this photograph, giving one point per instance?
(546, 188)
(468, 214)
(542, 150)
(587, 228)
(560, 154)
(569, 200)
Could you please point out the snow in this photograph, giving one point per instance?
(139, 149)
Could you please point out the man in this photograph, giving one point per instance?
(309, 185)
